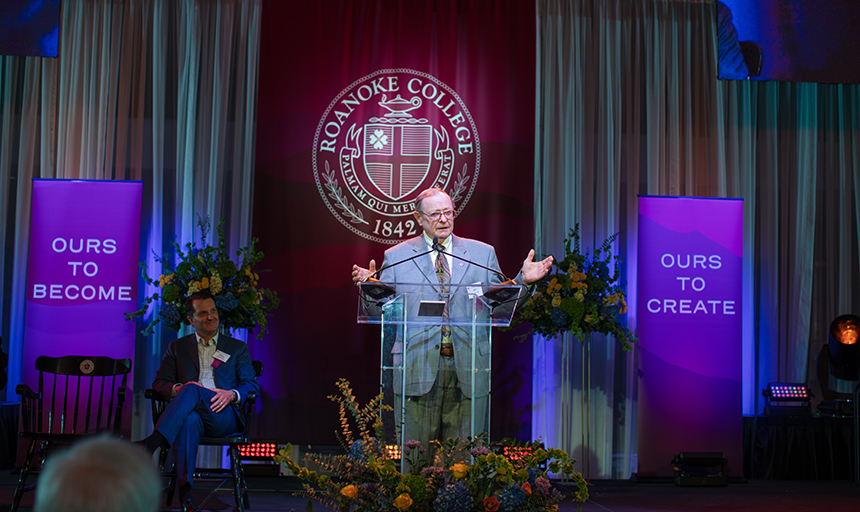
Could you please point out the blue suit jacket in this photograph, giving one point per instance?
(421, 346)
(181, 364)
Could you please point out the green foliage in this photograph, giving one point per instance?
(242, 304)
(581, 295)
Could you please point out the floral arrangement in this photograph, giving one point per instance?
(467, 476)
(581, 296)
(241, 303)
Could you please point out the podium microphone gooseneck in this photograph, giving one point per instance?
(498, 294)
(376, 289)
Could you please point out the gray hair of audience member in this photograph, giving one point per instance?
(99, 475)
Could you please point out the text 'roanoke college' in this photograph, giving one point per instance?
(390, 84)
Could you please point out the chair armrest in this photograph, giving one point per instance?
(157, 402)
(151, 394)
(25, 391)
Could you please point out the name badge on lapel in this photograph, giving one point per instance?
(219, 357)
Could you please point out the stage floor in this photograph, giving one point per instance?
(276, 494)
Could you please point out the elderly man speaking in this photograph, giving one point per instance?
(438, 385)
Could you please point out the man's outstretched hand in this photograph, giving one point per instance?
(535, 270)
(360, 274)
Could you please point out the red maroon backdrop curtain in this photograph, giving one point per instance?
(361, 106)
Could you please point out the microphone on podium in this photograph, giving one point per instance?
(498, 294)
(376, 289)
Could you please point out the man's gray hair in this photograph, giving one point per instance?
(427, 193)
(99, 475)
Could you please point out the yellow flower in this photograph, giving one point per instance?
(580, 296)
(204, 283)
(403, 502)
(350, 491)
(556, 300)
(460, 470)
(215, 284)
(164, 280)
(623, 308)
(551, 508)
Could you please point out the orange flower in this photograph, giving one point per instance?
(527, 487)
(350, 491)
(460, 470)
(403, 502)
(491, 504)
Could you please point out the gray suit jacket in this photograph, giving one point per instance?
(418, 348)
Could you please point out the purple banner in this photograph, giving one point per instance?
(82, 271)
(689, 326)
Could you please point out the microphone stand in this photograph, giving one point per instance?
(498, 294)
(376, 289)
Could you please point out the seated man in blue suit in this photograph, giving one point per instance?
(441, 390)
(206, 376)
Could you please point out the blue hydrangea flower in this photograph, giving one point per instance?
(453, 498)
(610, 312)
(226, 302)
(169, 314)
(359, 449)
(559, 317)
(511, 497)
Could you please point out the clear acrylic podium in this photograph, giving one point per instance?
(414, 318)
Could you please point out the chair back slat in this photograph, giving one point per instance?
(52, 405)
(85, 396)
(89, 404)
(77, 399)
(110, 405)
(65, 408)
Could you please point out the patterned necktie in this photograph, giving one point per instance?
(442, 270)
(444, 275)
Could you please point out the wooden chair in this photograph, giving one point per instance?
(78, 396)
(236, 471)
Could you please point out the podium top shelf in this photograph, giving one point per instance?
(433, 303)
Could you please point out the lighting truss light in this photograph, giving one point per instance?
(782, 391)
(787, 399)
(844, 347)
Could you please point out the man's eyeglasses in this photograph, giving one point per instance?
(434, 216)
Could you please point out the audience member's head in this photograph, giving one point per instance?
(99, 475)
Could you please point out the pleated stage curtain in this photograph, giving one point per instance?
(163, 92)
(628, 103)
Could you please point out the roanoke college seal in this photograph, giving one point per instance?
(383, 140)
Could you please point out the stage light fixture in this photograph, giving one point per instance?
(392, 451)
(844, 345)
(258, 450)
(787, 399)
(700, 469)
(258, 458)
